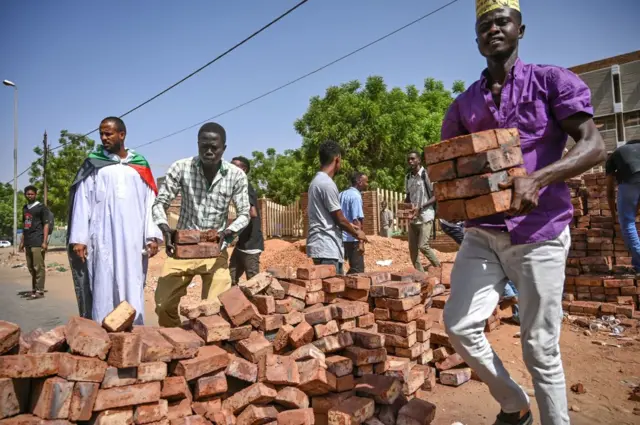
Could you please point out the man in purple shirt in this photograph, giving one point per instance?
(529, 244)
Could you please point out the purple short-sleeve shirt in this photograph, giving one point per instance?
(535, 99)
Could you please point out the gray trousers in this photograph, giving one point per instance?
(485, 262)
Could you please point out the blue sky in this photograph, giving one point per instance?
(76, 62)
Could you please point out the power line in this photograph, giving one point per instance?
(315, 71)
(217, 58)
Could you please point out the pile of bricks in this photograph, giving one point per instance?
(191, 244)
(468, 170)
(599, 277)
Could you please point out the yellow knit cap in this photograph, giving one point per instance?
(484, 6)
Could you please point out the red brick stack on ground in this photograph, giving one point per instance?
(467, 171)
(599, 277)
(266, 353)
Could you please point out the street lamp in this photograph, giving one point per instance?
(15, 162)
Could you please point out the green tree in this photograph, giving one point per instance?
(277, 176)
(62, 166)
(6, 210)
(375, 127)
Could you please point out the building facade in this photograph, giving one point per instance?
(615, 93)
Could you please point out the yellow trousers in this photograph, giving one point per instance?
(178, 274)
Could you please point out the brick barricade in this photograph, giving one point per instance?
(299, 346)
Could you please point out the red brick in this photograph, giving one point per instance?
(212, 328)
(489, 161)
(27, 339)
(29, 365)
(254, 415)
(278, 370)
(86, 338)
(302, 334)
(179, 409)
(265, 303)
(450, 362)
(175, 388)
(185, 343)
(191, 420)
(114, 417)
(453, 210)
(330, 328)
(362, 356)
(315, 379)
(256, 284)
(78, 368)
(293, 290)
(357, 281)
(383, 389)
(455, 377)
(469, 187)
(82, 400)
(402, 304)
(208, 386)
(366, 321)
(49, 342)
(242, 369)
(222, 417)
(208, 359)
(281, 339)
(150, 413)
(312, 285)
(11, 397)
(288, 305)
(486, 205)
(333, 285)
(307, 352)
(320, 315)
(9, 336)
(126, 350)
(442, 171)
(237, 306)
(114, 377)
(255, 394)
(367, 339)
(254, 348)
(322, 271)
(238, 333)
(322, 404)
(460, 146)
(206, 408)
(292, 398)
(283, 272)
(617, 283)
(346, 325)
(275, 290)
(396, 289)
(440, 337)
(350, 310)
(200, 250)
(417, 412)
(409, 315)
(51, 398)
(152, 371)
(155, 348)
(186, 236)
(381, 313)
(296, 417)
(333, 343)
(120, 319)
(414, 382)
(354, 410)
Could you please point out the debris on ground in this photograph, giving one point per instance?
(578, 388)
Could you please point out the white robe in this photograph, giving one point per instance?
(112, 217)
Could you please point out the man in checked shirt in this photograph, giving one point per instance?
(207, 184)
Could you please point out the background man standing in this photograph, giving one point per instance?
(623, 170)
(35, 236)
(420, 195)
(207, 184)
(351, 205)
(110, 231)
(246, 254)
(326, 221)
(530, 243)
(386, 220)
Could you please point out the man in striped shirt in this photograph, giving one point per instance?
(207, 185)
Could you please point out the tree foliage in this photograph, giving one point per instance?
(277, 176)
(6, 211)
(62, 166)
(375, 127)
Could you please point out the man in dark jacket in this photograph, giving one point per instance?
(35, 237)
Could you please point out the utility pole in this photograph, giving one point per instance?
(44, 168)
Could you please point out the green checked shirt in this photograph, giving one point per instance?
(202, 206)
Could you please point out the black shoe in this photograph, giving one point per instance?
(514, 419)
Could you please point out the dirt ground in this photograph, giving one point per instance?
(608, 372)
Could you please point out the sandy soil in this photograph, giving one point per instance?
(607, 372)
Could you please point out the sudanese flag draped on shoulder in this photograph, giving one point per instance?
(94, 162)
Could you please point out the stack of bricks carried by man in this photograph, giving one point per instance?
(289, 346)
(467, 172)
(191, 244)
(600, 279)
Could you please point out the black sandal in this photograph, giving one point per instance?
(36, 296)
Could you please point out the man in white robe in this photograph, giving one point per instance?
(111, 233)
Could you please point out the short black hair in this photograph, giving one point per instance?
(118, 122)
(214, 127)
(416, 153)
(328, 151)
(355, 177)
(244, 162)
(31, 188)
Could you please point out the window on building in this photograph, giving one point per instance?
(605, 123)
(617, 97)
(632, 119)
